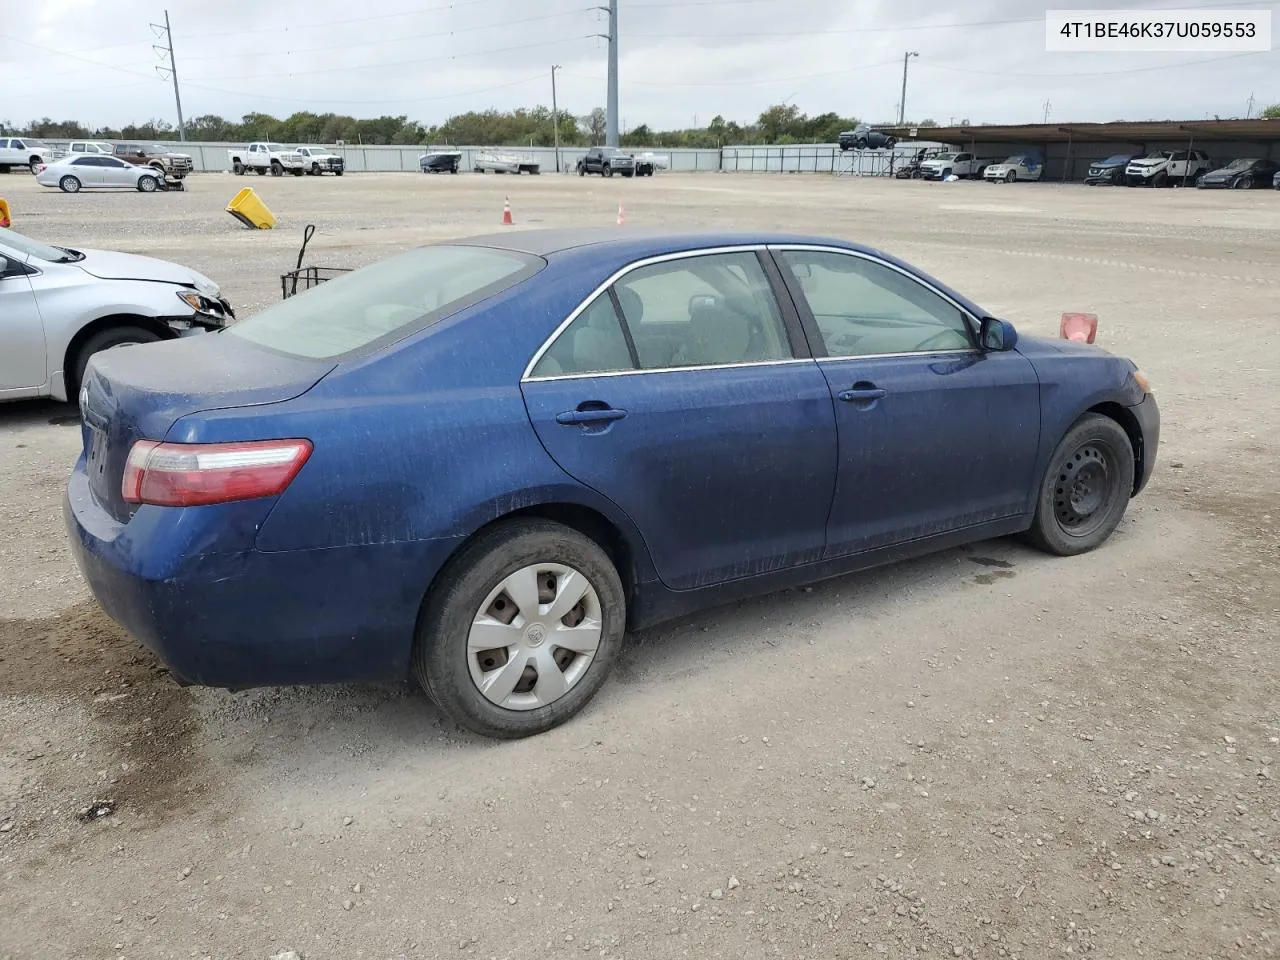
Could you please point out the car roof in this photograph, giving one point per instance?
(632, 242)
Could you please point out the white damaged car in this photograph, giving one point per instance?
(1021, 166)
(60, 306)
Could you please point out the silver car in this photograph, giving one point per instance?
(91, 172)
(58, 307)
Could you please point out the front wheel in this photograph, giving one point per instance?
(277, 170)
(608, 170)
(148, 184)
(107, 339)
(338, 173)
(69, 184)
(521, 629)
(1010, 176)
(315, 169)
(1086, 488)
(238, 168)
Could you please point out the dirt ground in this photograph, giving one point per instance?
(986, 753)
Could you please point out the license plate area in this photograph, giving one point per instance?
(96, 461)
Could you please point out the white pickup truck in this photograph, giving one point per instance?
(960, 164)
(22, 152)
(1165, 167)
(93, 147)
(265, 157)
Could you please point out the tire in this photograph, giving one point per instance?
(582, 172)
(148, 184)
(1243, 183)
(945, 173)
(1011, 176)
(449, 670)
(1086, 488)
(860, 144)
(34, 165)
(338, 173)
(315, 169)
(277, 170)
(1161, 179)
(238, 168)
(105, 340)
(607, 170)
(69, 184)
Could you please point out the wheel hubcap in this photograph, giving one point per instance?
(534, 637)
(1083, 489)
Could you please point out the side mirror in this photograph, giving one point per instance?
(997, 335)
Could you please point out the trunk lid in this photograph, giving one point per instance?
(139, 392)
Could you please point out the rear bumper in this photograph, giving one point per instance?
(1147, 413)
(250, 618)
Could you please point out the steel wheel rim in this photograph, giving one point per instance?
(534, 636)
(1084, 489)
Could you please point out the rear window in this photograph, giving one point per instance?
(385, 300)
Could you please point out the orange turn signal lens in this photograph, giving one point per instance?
(1141, 380)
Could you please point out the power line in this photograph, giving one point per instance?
(374, 43)
(746, 83)
(380, 101)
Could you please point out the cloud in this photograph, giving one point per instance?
(678, 60)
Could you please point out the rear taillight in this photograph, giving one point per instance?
(194, 474)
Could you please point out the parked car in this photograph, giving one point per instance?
(1110, 171)
(1021, 166)
(173, 166)
(862, 136)
(319, 160)
(263, 157)
(959, 163)
(911, 169)
(81, 171)
(505, 163)
(61, 306)
(607, 161)
(22, 152)
(232, 523)
(1242, 174)
(1166, 167)
(99, 147)
(648, 162)
(440, 161)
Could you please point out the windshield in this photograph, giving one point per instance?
(1243, 164)
(1115, 161)
(1016, 159)
(155, 148)
(33, 248)
(274, 147)
(946, 156)
(409, 291)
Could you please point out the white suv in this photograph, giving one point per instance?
(22, 152)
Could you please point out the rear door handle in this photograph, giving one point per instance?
(606, 415)
(861, 394)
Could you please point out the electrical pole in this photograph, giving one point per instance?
(172, 69)
(555, 115)
(1248, 111)
(1047, 105)
(902, 104)
(611, 108)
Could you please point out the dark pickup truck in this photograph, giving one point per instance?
(607, 161)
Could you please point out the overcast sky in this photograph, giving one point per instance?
(680, 61)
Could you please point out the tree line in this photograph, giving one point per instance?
(780, 124)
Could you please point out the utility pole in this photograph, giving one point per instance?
(172, 68)
(1047, 105)
(902, 104)
(555, 115)
(611, 107)
(1248, 112)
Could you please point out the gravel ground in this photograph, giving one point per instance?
(986, 753)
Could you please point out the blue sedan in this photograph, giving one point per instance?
(479, 463)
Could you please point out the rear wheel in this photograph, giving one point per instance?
(1086, 488)
(107, 339)
(69, 184)
(148, 184)
(521, 630)
(34, 165)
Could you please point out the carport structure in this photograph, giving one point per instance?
(1069, 148)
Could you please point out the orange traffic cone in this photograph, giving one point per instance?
(1082, 327)
(622, 215)
(506, 212)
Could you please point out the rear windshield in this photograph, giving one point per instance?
(384, 300)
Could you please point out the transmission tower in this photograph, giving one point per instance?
(162, 31)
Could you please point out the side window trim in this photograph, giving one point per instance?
(811, 324)
(626, 327)
(756, 248)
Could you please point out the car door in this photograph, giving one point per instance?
(23, 363)
(934, 435)
(115, 173)
(683, 393)
(88, 171)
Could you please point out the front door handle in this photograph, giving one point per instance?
(860, 394)
(578, 417)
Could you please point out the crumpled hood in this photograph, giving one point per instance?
(1149, 162)
(109, 265)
